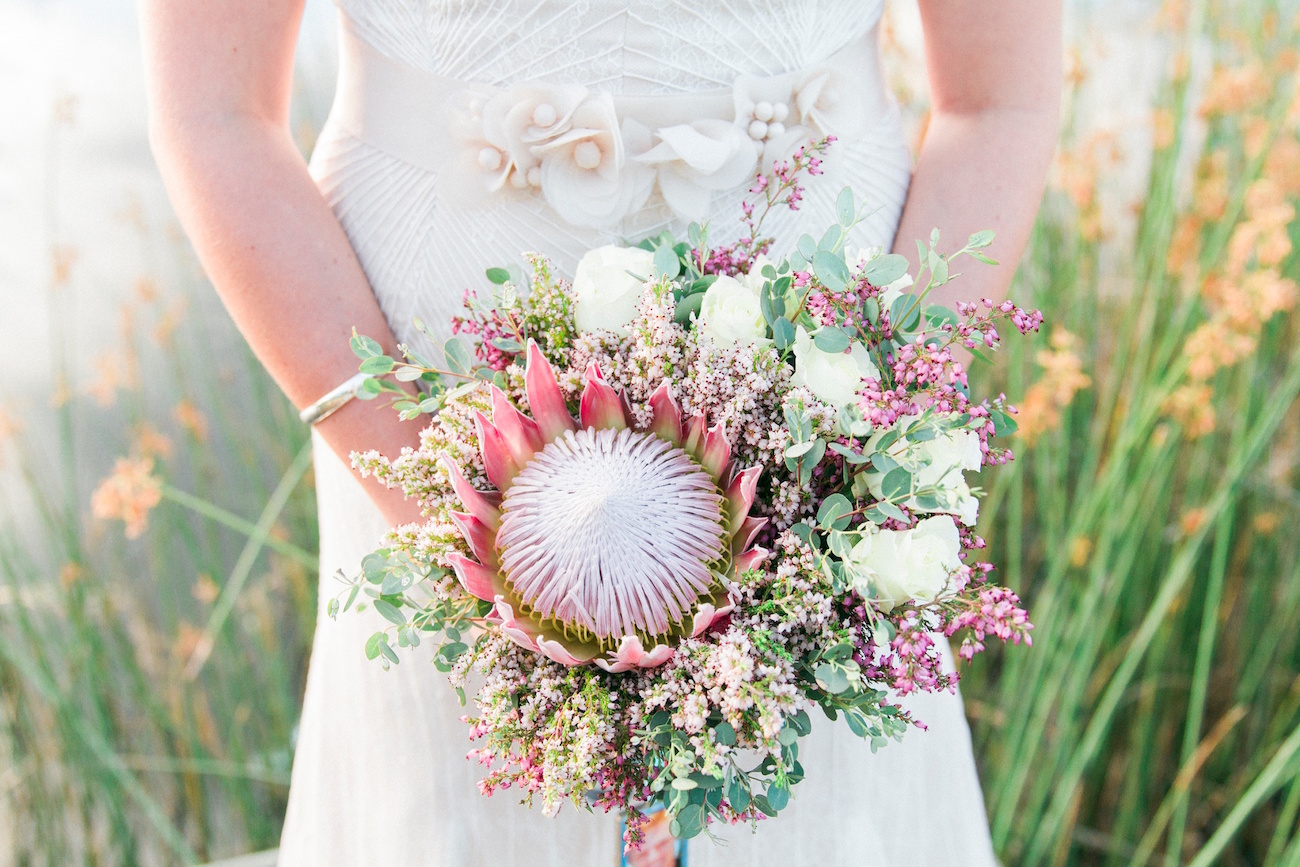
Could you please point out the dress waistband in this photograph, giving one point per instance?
(595, 156)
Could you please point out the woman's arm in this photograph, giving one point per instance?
(219, 77)
(995, 85)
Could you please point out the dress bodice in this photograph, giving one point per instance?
(465, 133)
(660, 46)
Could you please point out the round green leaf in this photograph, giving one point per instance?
(831, 339)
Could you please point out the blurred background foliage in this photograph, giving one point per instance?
(157, 524)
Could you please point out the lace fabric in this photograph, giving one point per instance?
(380, 772)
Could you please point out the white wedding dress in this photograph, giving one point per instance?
(433, 184)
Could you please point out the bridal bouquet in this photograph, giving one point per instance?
(676, 505)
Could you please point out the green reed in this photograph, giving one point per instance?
(1155, 719)
(149, 688)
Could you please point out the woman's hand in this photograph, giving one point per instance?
(219, 76)
(995, 86)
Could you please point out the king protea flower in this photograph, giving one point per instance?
(603, 543)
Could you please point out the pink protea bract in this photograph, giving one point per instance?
(603, 542)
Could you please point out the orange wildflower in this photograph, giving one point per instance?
(1213, 345)
(151, 444)
(1192, 521)
(113, 372)
(206, 590)
(1063, 377)
(1237, 90)
(1192, 407)
(1282, 166)
(189, 416)
(128, 494)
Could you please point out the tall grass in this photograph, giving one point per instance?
(149, 687)
(1150, 518)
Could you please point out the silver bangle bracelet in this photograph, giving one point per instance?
(333, 400)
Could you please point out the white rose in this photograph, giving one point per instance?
(835, 377)
(605, 295)
(902, 565)
(946, 458)
(730, 313)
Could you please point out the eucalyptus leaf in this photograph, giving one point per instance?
(831, 239)
(798, 450)
(408, 374)
(689, 822)
(377, 365)
(841, 544)
(831, 678)
(807, 247)
(390, 612)
(765, 305)
(831, 270)
(897, 484)
(905, 313)
(883, 270)
(688, 307)
(1003, 423)
(459, 358)
(738, 795)
(801, 722)
(844, 207)
(831, 339)
(365, 347)
(783, 333)
(498, 275)
(778, 796)
(940, 272)
(848, 454)
(666, 262)
(832, 509)
(857, 724)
